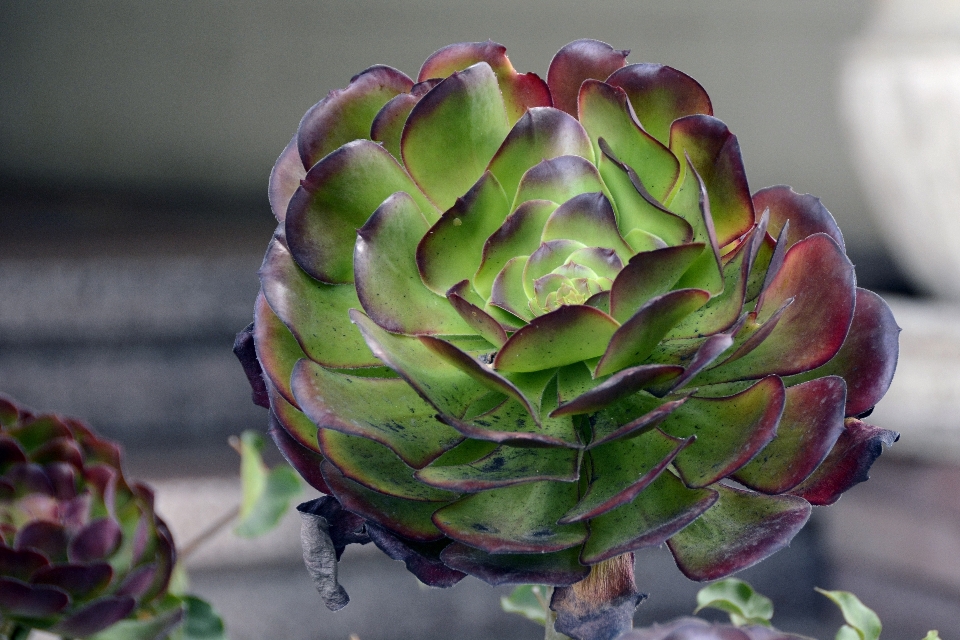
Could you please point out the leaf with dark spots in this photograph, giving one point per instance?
(578, 61)
(516, 519)
(662, 509)
(740, 530)
(569, 334)
(421, 559)
(729, 430)
(504, 466)
(619, 471)
(408, 518)
(556, 569)
(386, 410)
(510, 423)
(847, 464)
(479, 320)
(631, 416)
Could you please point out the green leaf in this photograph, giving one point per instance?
(859, 617)
(737, 598)
(201, 622)
(529, 601)
(266, 493)
(454, 132)
(932, 635)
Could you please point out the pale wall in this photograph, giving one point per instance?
(186, 93)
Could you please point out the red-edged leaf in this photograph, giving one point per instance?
(730, 430)
(587, 218)
(519, 235)
(521, 91)
(633, 415)
(820, 279)
(387, 126)
(285, 177)
(346, 114)
(659, 95)
(606, 113)
(511, 423)
(740, 530)
(559, 179)
(408, 518)
(618, 471)
(453, 132)
(848, 463)
(386, 410)
(649, 274)
(715, 154)
(337, 197)
(306, 461)
(811, 423)
(314, 312)
(505, 466)
(805, 212)
(388, 280)
(452, 249)
(277, 348)
(569, 334)
(579, 61)
(620, 384)
(661, 510)
(541, 134)
(638, 336)
(479, 320)
(868, 357)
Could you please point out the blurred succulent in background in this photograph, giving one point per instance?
(519, 328)
(80, 548)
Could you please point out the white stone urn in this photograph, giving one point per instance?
(900, 96)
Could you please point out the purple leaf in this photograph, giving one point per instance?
(79, 580)
(246, 352)
(618, 385)
(806, 214)
(346, 114)
(305, 461)
(46, 537)
(579, 61)
(96, 616)
(421, 559)
(95, 541)
(20, 599)
(285, 178)
(659, 95)
(740, 530)
(847, 464)
(521, 91)
(19, 564)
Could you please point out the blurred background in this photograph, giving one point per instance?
(135, 143)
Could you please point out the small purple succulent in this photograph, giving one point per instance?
(80, 548)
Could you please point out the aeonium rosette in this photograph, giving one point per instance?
(518, 328)
(80, 548)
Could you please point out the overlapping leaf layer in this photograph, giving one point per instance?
(80, 549)
(527, 326)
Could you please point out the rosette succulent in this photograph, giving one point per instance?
(80, 549)
(519, 328)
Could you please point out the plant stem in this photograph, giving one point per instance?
(549, 633)
(209, 532)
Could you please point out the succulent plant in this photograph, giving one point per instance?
(522, 327)
(80, 548)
